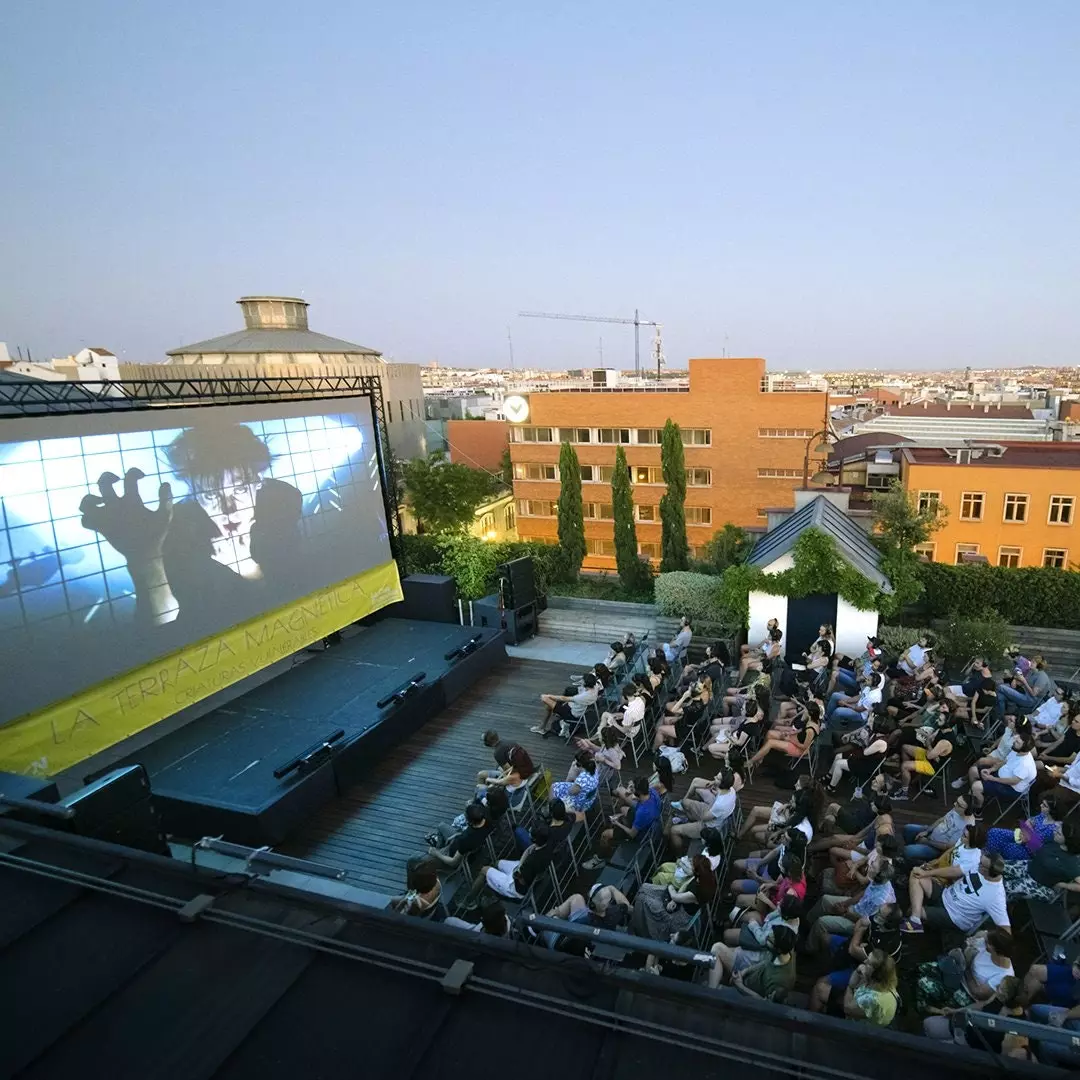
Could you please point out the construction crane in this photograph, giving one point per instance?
(636, 322)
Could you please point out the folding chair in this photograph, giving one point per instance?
(1007, 805)
(942, 773)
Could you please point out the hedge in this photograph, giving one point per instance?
(472, 562)
(1023, 597)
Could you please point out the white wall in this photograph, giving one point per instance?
(853, 627)
(764, 607)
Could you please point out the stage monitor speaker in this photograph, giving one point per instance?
(487, 611)
(518, 583)
(431, 597)
(118, 808)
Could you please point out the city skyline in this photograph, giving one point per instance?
(829, 189)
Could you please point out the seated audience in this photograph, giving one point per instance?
(963, 905)
(515, 765)
(743, 946)
(662, 911)
(493, 921)
(1020, 843)
(954, 1027)
(423, 896)
(804, 731)
(774, 977)
(675, 650)
(922, 843)
(1025, 691)
(632, 823)
(1052, 869)
(451, 849)
(1009, 780)
(1015, 729)
(579, 788)
(569, 707)
(850, 709)
(513, 878)
(706, 803)
(966, 978)
(751, 655)
(684, 714)
(926, 759)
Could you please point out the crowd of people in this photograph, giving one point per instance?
(825, 889)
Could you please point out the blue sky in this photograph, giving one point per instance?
(836, 184)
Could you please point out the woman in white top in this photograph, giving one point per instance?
(751, 656)
(1000, 752)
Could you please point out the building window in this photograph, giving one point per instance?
(652, 550)
(1009, 556)
(965, 549)
(534, 434)
(784, 433)
(1016, 508)
(575, 435)
(698, 515)
(649, 436)
(696, 436)
(879, 481)
(606, 473)
(926, 550)
(1061, 510)
(599, 511)
(599, 547)
(971, 506)
(587, 475)
(487, 524)
(779, 474)
(536, 508)
(646, 512)
(699, 477)
(534, 470)
(1055, 558)
(508, 517)
(614, 435)
(647, 474)
(401, 409)
(928, 501)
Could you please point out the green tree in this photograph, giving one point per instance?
(674, 549)
(571, 511)
(728, 546)
(507, 467)
(899, 524)
(443, 495)
(634, 573)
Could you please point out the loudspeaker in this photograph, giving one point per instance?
(518, 624)
(118, 808)
(518, 583)
(431, 597)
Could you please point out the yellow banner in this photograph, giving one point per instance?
(47, 742)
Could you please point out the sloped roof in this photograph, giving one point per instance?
(962, 409)
(269, 340)
(857, 445)
(851, 540)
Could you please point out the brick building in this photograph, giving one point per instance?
(745, 449)
(479, 443)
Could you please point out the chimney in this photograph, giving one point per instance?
(925, 405)
(986, 408)
(274, 312)
(948, 405)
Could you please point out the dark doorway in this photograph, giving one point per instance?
(804, 616)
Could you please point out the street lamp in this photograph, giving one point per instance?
(822, 447)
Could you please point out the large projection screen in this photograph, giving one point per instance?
(125, 536)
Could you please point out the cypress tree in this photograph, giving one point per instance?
(626, 557)
(571, 511)
(674, 549)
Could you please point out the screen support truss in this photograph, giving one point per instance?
(36, 397)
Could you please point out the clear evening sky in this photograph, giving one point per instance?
(831, 184)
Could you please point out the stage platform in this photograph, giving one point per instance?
(215, 775)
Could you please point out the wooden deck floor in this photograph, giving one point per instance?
(373, 829)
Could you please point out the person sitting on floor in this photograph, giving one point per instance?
(706, 803)
(921, 844)
(569, 707)
(965, 978)
(774, 977)
(963, 904)
(1008, 781)
(513, 878)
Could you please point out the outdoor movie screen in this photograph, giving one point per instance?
(127, 535)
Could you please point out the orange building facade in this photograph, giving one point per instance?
(744, 449)
(1014, 503)
(479, 443)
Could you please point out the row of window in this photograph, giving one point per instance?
(1016, 508)
(650, 549)
(695, 515)
(487, 522)
(607, 435)
(416, 410)
(784, 432)
(602, 474)
(1055, 558)
(779, 474)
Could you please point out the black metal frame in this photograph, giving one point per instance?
(37, 397)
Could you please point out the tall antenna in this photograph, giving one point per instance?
(510, 344)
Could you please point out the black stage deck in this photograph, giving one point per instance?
(380, 822)
(215, 775)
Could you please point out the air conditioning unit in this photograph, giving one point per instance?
(963, 457)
